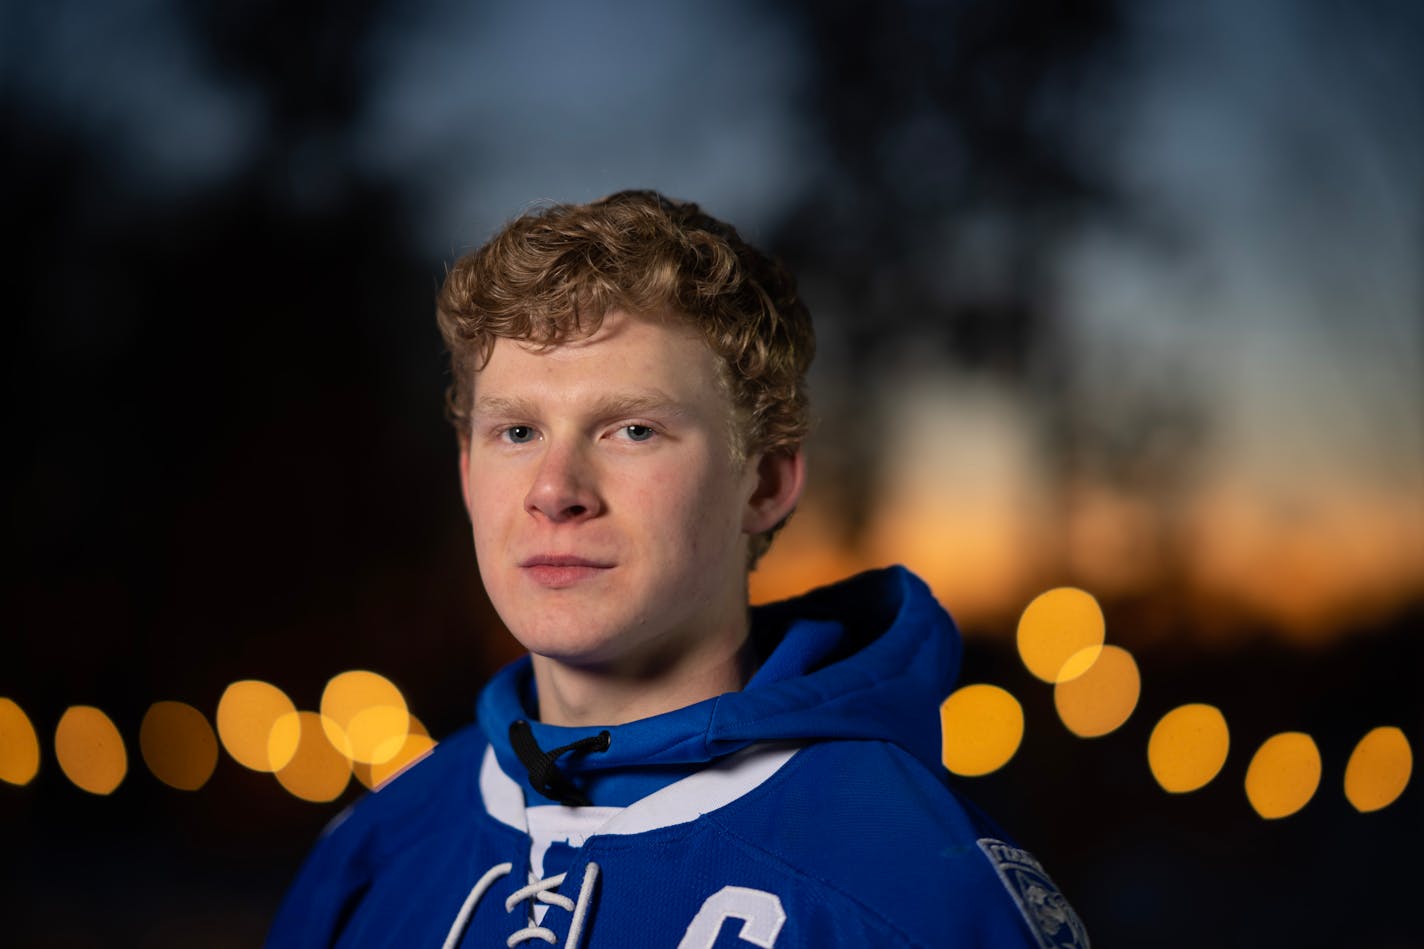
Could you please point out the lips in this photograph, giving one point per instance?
(559, 571)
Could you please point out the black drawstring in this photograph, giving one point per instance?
(547, 779)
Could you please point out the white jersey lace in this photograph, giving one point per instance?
(539, 891)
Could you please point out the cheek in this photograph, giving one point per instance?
(488, 516)
(698, 514)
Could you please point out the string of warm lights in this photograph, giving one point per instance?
(1062, 641)
(364, 729)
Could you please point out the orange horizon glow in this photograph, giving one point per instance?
(1358, 560)
(967, 495)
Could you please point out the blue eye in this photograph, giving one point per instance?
(638, 433)
(519, 434)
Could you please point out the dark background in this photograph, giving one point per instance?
(1153, 267)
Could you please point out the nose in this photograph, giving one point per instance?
(564, 488)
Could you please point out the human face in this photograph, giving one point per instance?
(610, 519)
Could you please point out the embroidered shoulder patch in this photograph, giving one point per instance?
(1049, 917)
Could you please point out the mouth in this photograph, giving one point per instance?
(557, 571)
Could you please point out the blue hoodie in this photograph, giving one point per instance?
(808, 809)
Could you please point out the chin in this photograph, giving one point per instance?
(575, 640)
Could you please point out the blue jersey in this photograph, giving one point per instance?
(807, 810)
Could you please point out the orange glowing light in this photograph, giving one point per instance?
(981, 728)
(1378, 770)
(19, 745)
(1188, 747)
(1060, 634)
(417, 745)
(1100, 700)
(365, 716)
(316, 771)
(247, 712)
(1283, 775)
(90, 750)
(178, 745)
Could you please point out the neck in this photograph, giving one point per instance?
(583, 696)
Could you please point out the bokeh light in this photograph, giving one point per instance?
(90, 750)
(19, 745)
(1283, 775)
(365, 716)
(178, 745)
(417, 745)
(1100, 700)
(1188, 747)
(982, 727)
(1060, 633)
(1379, 769)
(246, 713)
(316, 770)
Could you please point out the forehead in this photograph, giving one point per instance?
(658, 353)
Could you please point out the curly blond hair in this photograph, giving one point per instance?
(552, 274)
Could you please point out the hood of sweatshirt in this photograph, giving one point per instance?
(871, 657)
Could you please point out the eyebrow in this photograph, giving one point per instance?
(651, 402)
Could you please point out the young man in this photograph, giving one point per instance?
(666, 767)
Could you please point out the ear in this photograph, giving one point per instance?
(780, 476)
